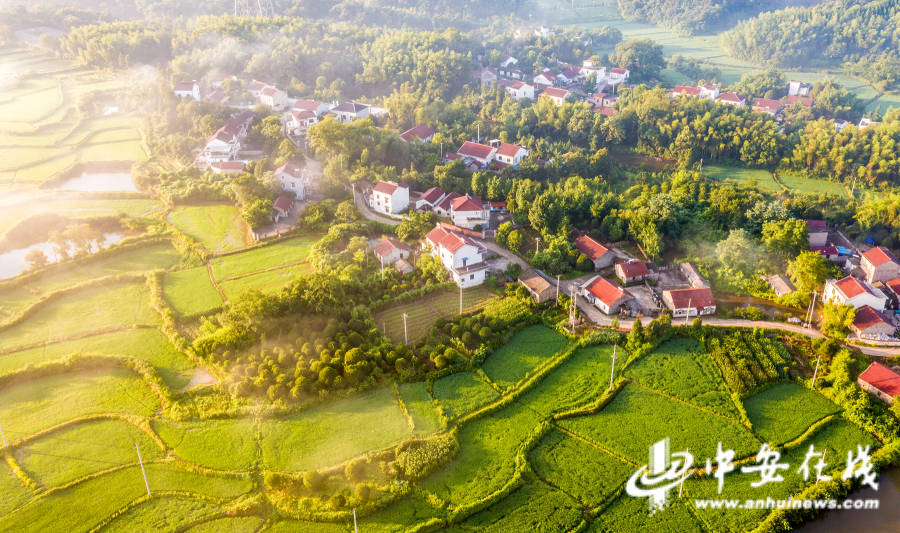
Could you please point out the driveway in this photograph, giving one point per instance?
(367, 213)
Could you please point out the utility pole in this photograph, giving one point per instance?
(572, 304)
(144, 472)
(354, 521)
(405, 336)
(382, 266)
(2, 436)
(853, 189)
(688, 314)
(816, 372)
(460, 300)
(537, 244)
(557, 289)
(809, 314)
(613, 371)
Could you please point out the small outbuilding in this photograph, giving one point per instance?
(540, 288)
(632, 271)
(880, 381)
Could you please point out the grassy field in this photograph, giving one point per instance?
(240, 524)
(294, 250)
(31, 406)
(461, 393)
(219, 228)
(581, 378)
(420, 407)
(191, 292)
(143, 343)
(334, 432)
(223, 444)
(96, 308)
(525, 352)
(88, 447)
(783, 412)
(763, 180)
(268, 281)
(164, 513)
(533, 507)
(682, 368)
(424, 311)
(636, 419)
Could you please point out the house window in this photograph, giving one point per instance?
(471, 276)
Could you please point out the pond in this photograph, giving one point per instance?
(886, 519)
(99, 182)
(13, 263)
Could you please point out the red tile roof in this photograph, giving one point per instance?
(216, 96)
(851, 287)
(882, 378)
(686, 89)
(289, 168)
(307, 105)
(879, 256)
(388, 244)
(894, 285)
(633, 269)
(617, 70)
(590, 247)
(608, 111)
(269, 91)
(419, 131)
(185, 86)
(453, 242)
(447, 202)
(693, 298)
(556, 92)
(283, 203)
(866, 317)
(509, 150)
(432, 195)
(514, 84)
(476, 150)
(606, 291)
(303, 114)
(436, 235)
(767, 105)
(466, 203)
(731, 97)
(828, 249)
(816, 224)
(386, 187)
(805, 101)
(256, 85)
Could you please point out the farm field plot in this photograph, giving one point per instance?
(395, 518)
(578, 380)
(72, 205)
(834, 439)
(228, 444)
(462, 393)
(804, 185)
(420, 407)
(486, 458)
(784, 411)
(143, 343)
(637, 418)
(579, 469)
(162, 513)
(426, 310)
(191, 292)
(219, 228)
(293, 526)
(682, 368)
(97, 308)
(268, 281)
(332, 433)
(284, 252)
(84, 504)
(525, 352)
(631, 514)
(12, 492)
(238, 524)
(750, 177)
(88, 447)
(30, 406)
(533, 507)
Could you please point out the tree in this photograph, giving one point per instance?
(788, 238)
(738, 251)
(346, 212)
(837, 319)
(415, 225)
(503, 231)
(515, 240)
(808, 271)
(257, 213)
(642, 57)
(546, 215)
(36, 259)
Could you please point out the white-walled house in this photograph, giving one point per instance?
(854, 292)
(468, 212)
(556, 95)
(606, 295)
(390, 198)
(301, 120)
(225, 143)
(798, 88)
(481, 153)
(291, 178)
(519, 89)
(690, 302)
(430, 198)
(618, 75)
(511, 154)
(460, 255)
(187, 89)
(709, 91)
(599, 255)
(274, 98)
(879, 264)
(731, 98)
(389, 250)
(313, 106)
(350, 111)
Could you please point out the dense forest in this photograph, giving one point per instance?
(693, 16)
(861, 34)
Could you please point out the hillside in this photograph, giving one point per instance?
(699, 16)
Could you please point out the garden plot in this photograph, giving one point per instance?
(225, 444)
(583, 377)
(219, 228)
(532, 507)
(396, 517)
(462, 393)
(527, 350)
(162, 513)
(267, 281)
(284, 252)
(783, 412)
(420, 407)
(423, 312)
(191, 292)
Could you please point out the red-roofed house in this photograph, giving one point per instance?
(430, 198)
(481, 153)
(766, 105)
(731, 98)
(872, 324)
(255, 88)
(511, 154)
(283, 205)
(690, 302)
(217, 97)
(349, 111)
(273, 97)
(519, 89)
(880, 381)
(596, 252)
(805, 101)
(618, 75)
(709, 91)
(290, 175)
(313, 106)
(389, 197)
(631, 271)
(301, 120)
(556, 95)
(854, 292)
(389, 250)
(227, 167)
(459, 254)
(606, 295)
(545, 78)
(894, 286)
(419, 133)
(818, 232)
(443, 207)
(798, 88)
(225, 143)
(879, 264)
(685, 90)
(468, 212)
(187, 89)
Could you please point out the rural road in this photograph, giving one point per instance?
(367, 213)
